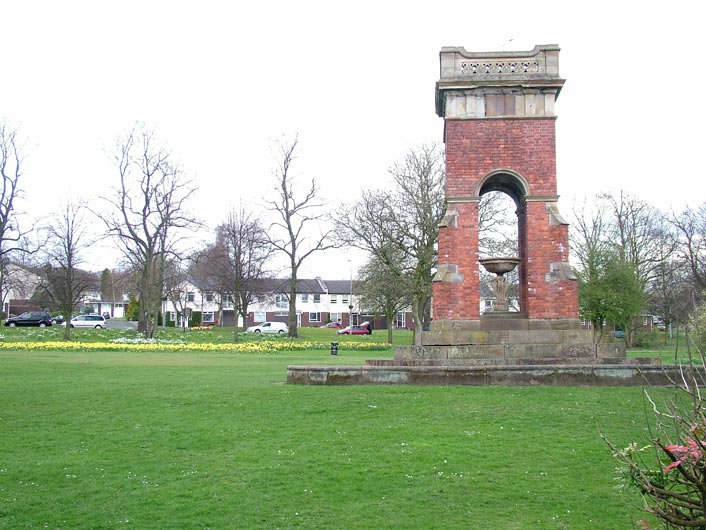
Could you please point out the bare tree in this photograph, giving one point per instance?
(247, 249)
(497, 225)
(406, 220)
(175, 279)
(382, 290)
(64, 283)
(642, 239)
(208, 271)
(691, 227)
(12, 235)
(589, 244)
(296, 215)
(149, 214)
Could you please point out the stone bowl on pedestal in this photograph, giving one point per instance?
(499, 266)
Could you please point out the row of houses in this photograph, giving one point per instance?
(318, 303)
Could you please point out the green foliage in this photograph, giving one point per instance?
(609, 290)
(133, 308)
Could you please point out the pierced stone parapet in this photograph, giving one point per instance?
(459, 64)
(498, 84)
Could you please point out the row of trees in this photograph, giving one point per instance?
(631, 257)
(634, 259)
(148, 217)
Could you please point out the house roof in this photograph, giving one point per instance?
(306, 286)
(339, 286)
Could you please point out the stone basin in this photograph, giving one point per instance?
(499, 266)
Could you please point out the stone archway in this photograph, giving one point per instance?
(512, 185)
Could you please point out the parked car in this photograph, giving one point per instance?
(333, 325)
(106, 315)
(87, 321)
(30, 318)
(619, 334)
(269, 327)
(363, 329)
(58, 319)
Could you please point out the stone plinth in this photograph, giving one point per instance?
(509, 335)
(510, 375)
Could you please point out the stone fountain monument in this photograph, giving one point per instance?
(500, 267)
(499, 130)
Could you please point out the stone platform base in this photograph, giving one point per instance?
(508, 336)
(626, 374)
(499, 349)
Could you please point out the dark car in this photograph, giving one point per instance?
(30, 318)
(58, 319)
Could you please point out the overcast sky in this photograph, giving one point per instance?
(218, 81)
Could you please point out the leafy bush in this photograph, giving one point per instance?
(133, 309)
(670, 471)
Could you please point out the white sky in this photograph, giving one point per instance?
(219, 80)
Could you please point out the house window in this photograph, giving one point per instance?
(334, 298)
(336, 317)
(344, 299)
(281, 301)
(317, 298)
(172, 316)
(207, 317)
(190, 296)
(314, 317)
(400, 321)
(209, 297)
(305, 298)
(259, 316)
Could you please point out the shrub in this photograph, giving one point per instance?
(670, 471)
(133, 309)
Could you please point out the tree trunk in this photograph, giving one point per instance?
(293, 304)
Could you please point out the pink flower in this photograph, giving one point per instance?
(671, 466)
(692, 453)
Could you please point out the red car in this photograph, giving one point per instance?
(336, 325)
(363, 329)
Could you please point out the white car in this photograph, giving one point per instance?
(87, 321)
(269, 327)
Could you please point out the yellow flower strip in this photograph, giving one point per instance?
(242, 347)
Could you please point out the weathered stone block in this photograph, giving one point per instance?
(490, 322)
(535, 337)
(520, 351)
(614, 349)
(477, 351)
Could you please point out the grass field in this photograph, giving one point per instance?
(153, 440)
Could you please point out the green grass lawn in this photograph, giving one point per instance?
(155, 440)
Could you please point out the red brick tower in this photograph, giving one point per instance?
(498, 111)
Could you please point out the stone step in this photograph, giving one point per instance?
(537, 361)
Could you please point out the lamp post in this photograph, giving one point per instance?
(350, 298)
